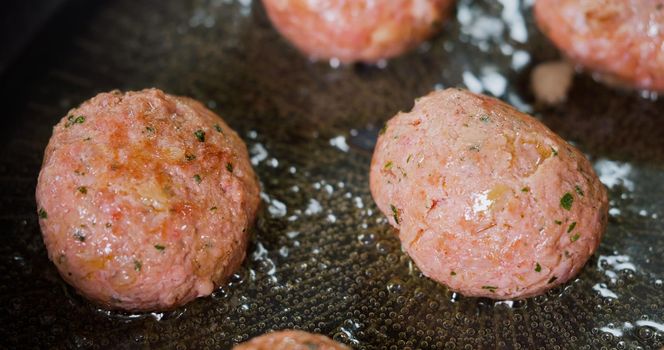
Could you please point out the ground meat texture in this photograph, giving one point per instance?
(488, 200)
(622, 40)
(551, 81)
(357, 30)
(291, 340)
(145, 200)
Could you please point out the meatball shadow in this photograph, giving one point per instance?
(322, 96)
(603, 120)
(608, 122)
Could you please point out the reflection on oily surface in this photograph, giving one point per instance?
(609, 122)
(323, 259)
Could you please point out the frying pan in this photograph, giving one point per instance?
(322, 257)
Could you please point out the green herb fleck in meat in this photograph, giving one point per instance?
(558, 222)
(197, 178)
(484, 119)
(71, 120)
(555, 153)
(566, 201)
(82, 189)
(218, 128)
(491, 289)
(149, 129)
(189, 157)
(159, 247)
(229, 167)
(453, 273)
(578, 190)
(383, 130)
(213, 208)
(137, 265)
(42, 213)
(552, 279)
(571, 227)
(388, 165)
(538, 267)
(311, 346)
(525, 189)
(403, 172)
(410, 156)
(575, 237)
(395, 214)
(200, 135)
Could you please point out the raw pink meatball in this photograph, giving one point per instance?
(145, 199)
(356, 30)
(488, 200)
(620, 39)
(291, 340)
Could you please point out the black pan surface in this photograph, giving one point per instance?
(323, 258)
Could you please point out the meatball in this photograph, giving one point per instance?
(488, 200)
(145, 200)
(291, 340)
(623, 40)
(361, 30)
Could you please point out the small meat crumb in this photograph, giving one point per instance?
(551, 81)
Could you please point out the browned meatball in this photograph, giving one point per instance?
(145, 199)
(488, 201)
(623, 40)
(291, 340)
(356, 30)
